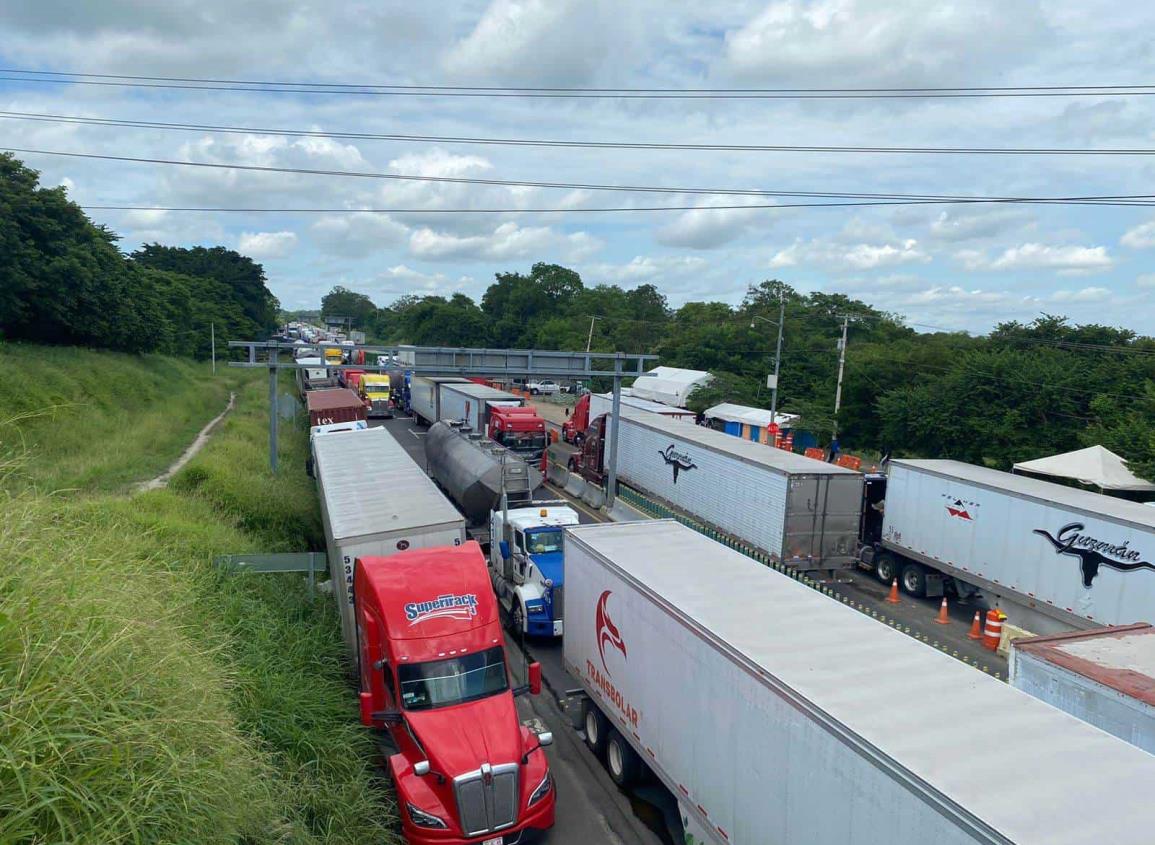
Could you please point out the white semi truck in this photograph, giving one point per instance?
(777, 716)
(1053, 557)
(528, 567)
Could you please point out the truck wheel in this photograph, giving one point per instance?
(914, 580)
(516, 618)
(886, 568)
(533, 391)
(621, 760)
(579, 439)
(596, 728)
(573, 465)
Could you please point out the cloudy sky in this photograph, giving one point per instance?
(953, 266)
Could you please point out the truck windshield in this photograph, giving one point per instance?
(455, 680)
(543, 542)
(377, 389)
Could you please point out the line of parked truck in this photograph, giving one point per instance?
(771, 712)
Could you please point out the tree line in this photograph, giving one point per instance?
(1022, 391)
(63, 280)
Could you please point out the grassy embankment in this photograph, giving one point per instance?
(144, 696)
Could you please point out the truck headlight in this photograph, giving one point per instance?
(534, 607)
(542, 790)
(423, 819)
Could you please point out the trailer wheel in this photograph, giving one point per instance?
(621, 760)
(886, 567)
(914, 580)
(596, 728)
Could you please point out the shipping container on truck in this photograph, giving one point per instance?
(799, 511)
(469, 403)
(333, 406)
(1105, 676)
(425, 396)
(774, 713)
(1052, 557)
(375, 500)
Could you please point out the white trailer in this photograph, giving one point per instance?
(425, 396)
(799, 511)
(469, 403)
(774, 714)
(603, 403)
(375, 501)
(1052, 557)
(1105, 676)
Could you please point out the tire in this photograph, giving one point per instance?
(596, 728)
(914, 580)
(573, 465)
(517, 619)
(621, 760)
(579, 439)
(886, 568)
(533, 391)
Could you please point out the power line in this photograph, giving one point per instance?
(566, 144)
(1139, 200)
(373, 89)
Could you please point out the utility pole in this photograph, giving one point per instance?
(611, 456)
(838, 390)
(213, 343)
(777, 361)
(590, 339)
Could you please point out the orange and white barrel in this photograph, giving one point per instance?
(993, 631)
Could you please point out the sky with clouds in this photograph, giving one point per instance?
(964, 267)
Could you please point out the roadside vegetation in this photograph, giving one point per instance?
(98, 421)
(149, 697)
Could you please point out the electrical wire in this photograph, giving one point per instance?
(1140, 200)
(79, 120)
(339, 88)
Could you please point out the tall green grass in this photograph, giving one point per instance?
(148, 697)
(98, 421)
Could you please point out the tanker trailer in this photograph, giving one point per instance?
(473, 471)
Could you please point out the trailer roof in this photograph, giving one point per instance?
(1025, 770)
(483, 392)
(1121, 658)
(372, 486)
(647, 405)
(746, 450)
(1107, 507)
(338, 397)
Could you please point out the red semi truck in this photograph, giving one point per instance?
(334, 406)
(434, 675)
(519, 429)
(592, 405)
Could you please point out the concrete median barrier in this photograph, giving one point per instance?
(557, 475)
(595, 497)
(575, 485)
(622, 512)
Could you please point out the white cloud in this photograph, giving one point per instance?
(358, 235)
(507, 241)
(1092, 294)
(1140, 237)
(857, 43)
(1147, 280)
(702, 228)
(402, 279)
(264, 245)
(951, 226)
(838, 256)
(1067, 260)
(659, 269)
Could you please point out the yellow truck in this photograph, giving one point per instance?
(375, 392)
(334, 356)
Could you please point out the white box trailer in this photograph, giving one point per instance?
(603, 403)
(469, 403)
(375, 501)
(1105, 676)
(797, 510)
(1063, 558)
(775, 714)
(425, 395)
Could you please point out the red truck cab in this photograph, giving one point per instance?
(519, 429)
(434, 675)
(573, 430)
(589, 460)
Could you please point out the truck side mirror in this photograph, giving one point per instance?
(545, 738)
(534, 673)
(421, 768)
(504, 546)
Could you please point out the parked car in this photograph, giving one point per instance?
(547, 387)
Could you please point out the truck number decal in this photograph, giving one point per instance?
(349, 580)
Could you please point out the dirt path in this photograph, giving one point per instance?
(198, 443)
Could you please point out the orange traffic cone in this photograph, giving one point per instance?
(893, 597)
(976, 632)
(942, 618)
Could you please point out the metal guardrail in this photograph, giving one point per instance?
(308, 562)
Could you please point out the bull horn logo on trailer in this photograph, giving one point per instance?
(678, 460)
(607, 631)
(1092, 552)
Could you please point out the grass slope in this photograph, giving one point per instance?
(98, 421)
(149, 698)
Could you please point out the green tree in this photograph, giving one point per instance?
(355, 307)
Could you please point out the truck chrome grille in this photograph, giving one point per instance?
(487, 799)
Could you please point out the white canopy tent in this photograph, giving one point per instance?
(751, 416)
(669, 385)
(1095, 466)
